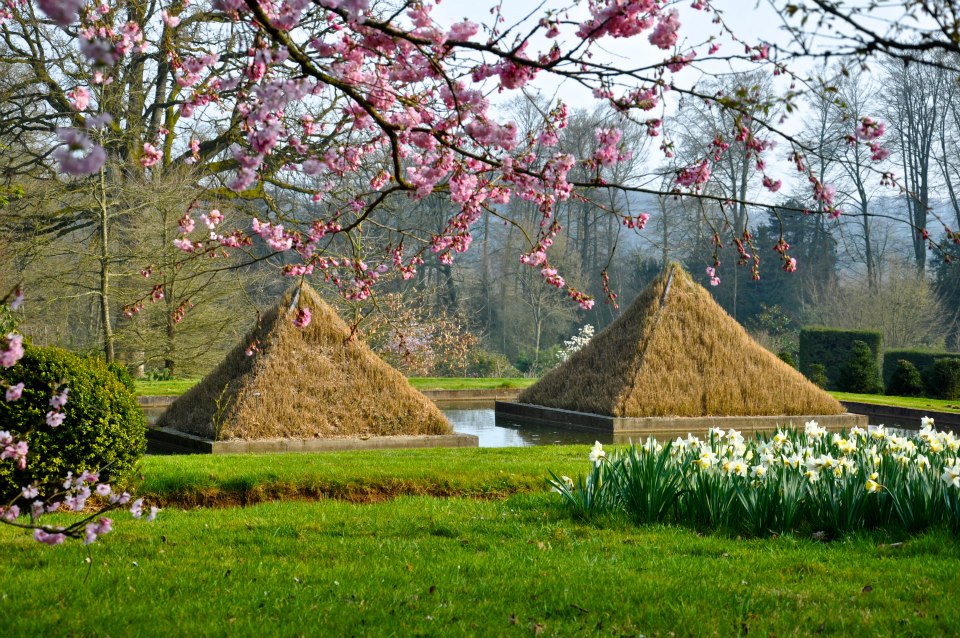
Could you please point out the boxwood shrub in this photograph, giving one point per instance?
(943, 379)
(906, 380)
(833, 348)
(860, 373)
(104, 428)
(921, 359)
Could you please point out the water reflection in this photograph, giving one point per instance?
(498, 431)
(494, 431)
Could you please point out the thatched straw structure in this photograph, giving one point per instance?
(303, 383)
(676, 352)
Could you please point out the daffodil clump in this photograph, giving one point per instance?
(791, 481)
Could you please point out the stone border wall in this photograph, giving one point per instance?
(660, 425)
(168, 441)
(908, 418)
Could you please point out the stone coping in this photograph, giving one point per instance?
(895, 416)
(666, 425)
(170, 441)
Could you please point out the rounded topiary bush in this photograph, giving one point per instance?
(905, 381)
(787, 357)
(943, 380)
(103, 428)
(818, 375)
(860, 373)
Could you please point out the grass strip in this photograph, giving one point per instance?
(916, 403)
(367, 476)
(466, 383)
(179, 386)
(425, 566)
(169, 388)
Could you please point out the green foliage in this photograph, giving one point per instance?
(649, 491)
(943, 379)
(905, 381)
(123, 375)
(104, 428)
(833, 348)
(860, 372)
(787, 357)
(921, 359)
(817, 373)
(793, 482)
(484, 363)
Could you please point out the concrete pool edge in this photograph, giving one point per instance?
(169, 441)
(587, 421)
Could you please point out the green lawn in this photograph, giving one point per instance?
(164, 388)
(454, 383)
(505, 560)
(179, 386)
(919, 403)
(357, 476)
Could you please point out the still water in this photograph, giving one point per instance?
(496, 431)
(492, 432)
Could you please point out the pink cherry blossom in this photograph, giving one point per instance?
(78, 155)
(302, 320)
(14, 392)
(169, 20)
(12, 350)
(665, 34)
(48, 538)
(151, 155)
(55, 418)
(18, 298)
(62, 12)
(60, 399)
(79, 98)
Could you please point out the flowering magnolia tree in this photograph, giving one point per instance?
(352, 104)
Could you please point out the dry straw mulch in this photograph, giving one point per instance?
(303, 383)
(676, 352)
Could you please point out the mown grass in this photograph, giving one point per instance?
(465, 383)
(179, 386)
(173, 387)
(917, 403)
(355, 476)
(431, 566)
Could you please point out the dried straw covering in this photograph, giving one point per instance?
(303, 383)
(676, 352)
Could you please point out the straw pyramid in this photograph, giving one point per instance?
(303, 383)
(676, 352)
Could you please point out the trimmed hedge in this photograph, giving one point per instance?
(922, 360)
(833, 348)
(104, 428)
(943, 379)
(860, 374)
(906, 381)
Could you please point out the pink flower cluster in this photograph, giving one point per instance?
(714, 277)
(664, 35)
(303, 318)
(12, 350)
(694, 177)
(618, 18)
(13, 450)
(78, 155)
(608, 150)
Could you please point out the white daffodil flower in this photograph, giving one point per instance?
(951, 475)
(597, 454)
